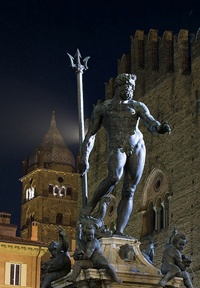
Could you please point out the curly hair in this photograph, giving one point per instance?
(177, 237)
(125, 78)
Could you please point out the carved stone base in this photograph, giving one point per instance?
(130, 265)
(132, 259)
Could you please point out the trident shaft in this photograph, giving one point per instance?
(79, 72)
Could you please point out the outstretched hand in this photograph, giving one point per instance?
(164, 128)
(83, 167)
(61, 231)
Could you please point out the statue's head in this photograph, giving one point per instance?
(89, 231)
(125, 83)
(126, 252)
(54, 248)
(125, 78)
(179, 241)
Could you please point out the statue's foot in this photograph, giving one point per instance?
(122, 235)
(119, 281)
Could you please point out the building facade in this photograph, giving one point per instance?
(167, 196)
(20, 259)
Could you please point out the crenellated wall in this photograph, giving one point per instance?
(152, 58)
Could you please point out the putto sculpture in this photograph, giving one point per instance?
(174, 263)
(89, 255)
(120, 117)
(148, 251)
(59, 264)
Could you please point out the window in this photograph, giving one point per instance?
(15, 274)
(155, 203)
(59, 218)
(62, 191)
(56, 190)
(30, 193)
(69, 191)
(51, 188)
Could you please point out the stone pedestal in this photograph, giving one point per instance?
(130, 265)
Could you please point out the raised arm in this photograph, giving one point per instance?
(88, 143)
(153, 125)
(63, 239)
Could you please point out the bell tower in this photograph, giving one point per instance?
(49, 190)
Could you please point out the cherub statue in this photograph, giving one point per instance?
(174, 263)
(59, 264)
(91, 256)
(148, 251)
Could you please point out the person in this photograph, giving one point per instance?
(120, 117)
(59, 264)
(174, 263)
(91, 256)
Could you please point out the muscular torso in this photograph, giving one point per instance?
(120, 121)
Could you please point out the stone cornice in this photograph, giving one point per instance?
(22, 249)
(37, 170)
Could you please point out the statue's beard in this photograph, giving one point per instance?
(126, 95)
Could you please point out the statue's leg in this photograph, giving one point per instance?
(115, 163)
(103, 263)
(186, 279)
(132, 173)
(80, 264)
(48, 279)
(170, 272)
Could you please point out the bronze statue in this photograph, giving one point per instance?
(148, 251)
(174, 263)
(91, 256)
(97, 219)
(126, 149)
(59, 264)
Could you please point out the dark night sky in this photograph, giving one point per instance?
(35, 73)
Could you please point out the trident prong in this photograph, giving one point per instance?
(85, 60)
(71, 60)
(79, 67)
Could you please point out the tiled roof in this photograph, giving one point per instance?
(7, 225)
(53, 148)
(18, 240)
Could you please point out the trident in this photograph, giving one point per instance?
(79, 71)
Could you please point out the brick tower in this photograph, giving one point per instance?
(49, 190)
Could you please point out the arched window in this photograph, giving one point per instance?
(155, 203)
(159, 215)
(56, 190)
(30, 193)
(69, 191)
(62, 191)
(59, 218)
(51, 188)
